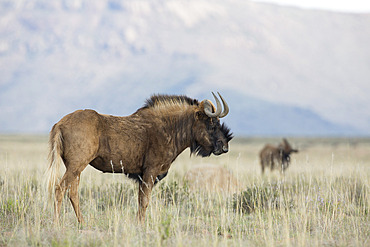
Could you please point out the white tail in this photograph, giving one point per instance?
(55, 160)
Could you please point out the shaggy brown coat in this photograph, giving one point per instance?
(276, 157)
(142, 145)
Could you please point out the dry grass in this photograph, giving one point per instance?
(323, 200)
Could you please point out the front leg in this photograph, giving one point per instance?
(285, 163)
(145, 188)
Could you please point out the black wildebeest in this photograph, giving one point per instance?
(272, 156)
(142, 145)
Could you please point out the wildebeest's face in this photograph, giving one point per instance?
(210, 136)
(221, 136)
(285, 150)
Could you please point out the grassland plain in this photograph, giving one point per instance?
(323, 200)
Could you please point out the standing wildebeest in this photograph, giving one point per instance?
(142, 145)
(272, 156)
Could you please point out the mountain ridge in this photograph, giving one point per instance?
(59, 56)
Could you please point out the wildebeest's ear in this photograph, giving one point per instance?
(295, 150)
(208, 108)
(286, 143)
(199, 115)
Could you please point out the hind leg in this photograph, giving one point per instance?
(60, 189)
(263, 167)
(74, 198)
(69, 181)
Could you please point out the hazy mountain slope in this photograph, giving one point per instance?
(58, 56)
(262, 118)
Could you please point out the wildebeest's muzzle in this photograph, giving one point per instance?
(220, 148)
(224, 136)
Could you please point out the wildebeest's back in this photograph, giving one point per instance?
(267, 150)
(267, 155)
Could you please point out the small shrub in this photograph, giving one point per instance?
(257, 197)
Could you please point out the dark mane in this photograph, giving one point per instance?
(227, 132)
(170, 99)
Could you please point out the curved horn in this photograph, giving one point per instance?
(226, 107)
(208, 107)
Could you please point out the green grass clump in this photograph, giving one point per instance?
(172, 192)
(258, 197)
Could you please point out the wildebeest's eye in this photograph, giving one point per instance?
(213, 124)
(211, 127)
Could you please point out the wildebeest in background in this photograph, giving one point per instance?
(142, 145)
(276, 157)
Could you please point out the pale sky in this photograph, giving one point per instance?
(355, 6)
